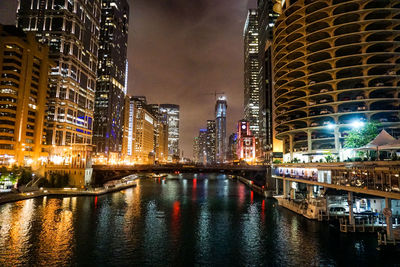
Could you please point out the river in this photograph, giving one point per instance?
(190, 219)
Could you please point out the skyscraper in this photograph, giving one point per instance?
(111, 79)
(211, 138)
(246, 142)
(220, 130)
(266, 22)
(202, 145)
(160, 134)
(71, 29)
(196, 149)
(24, 69)
(170, 115)
(252, 78)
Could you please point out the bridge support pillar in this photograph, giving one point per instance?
(310, 191)
(286, 184)
(388, 214)
(350, 202)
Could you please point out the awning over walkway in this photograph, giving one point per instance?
(383, 141)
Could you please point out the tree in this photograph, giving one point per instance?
(360, 137)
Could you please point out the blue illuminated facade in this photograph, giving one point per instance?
(220, 129)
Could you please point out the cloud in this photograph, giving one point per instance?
(182, 51)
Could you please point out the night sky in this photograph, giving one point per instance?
(180, 52)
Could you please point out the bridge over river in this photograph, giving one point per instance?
(104, 173)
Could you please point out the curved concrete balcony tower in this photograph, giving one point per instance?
(336, 64)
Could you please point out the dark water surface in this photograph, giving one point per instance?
(193, 220)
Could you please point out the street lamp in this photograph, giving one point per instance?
(357, 124)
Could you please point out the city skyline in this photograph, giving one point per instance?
(238, 129)
(200, 56)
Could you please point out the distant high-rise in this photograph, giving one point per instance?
(160, 134)
(252, 74)
(232, 147)
(71, 29)
(246, 142)
(112, 76)
(141, 136)
(202, 146)
(220, 129)
(211, 138)
(196, 150)
(170, 115)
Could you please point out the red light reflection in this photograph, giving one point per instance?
(176, 213)
(194, 188)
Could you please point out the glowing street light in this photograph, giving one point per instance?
(331, 125)
(357, 124)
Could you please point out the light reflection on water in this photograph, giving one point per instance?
(191, 220)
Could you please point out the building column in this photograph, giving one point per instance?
(277, 186)
(337, 135)
(285, 188)
(350, 202)
(388, 215)
(309, 144)
(291, 147)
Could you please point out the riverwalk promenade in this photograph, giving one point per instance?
(64, 192)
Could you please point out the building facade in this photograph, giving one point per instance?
(211, 139)
(196, 150)
(266, 22)
(170, 116)
(141, 132)
(160, 135)
(336, 66)
(71, 29)
(252, 73)
(24, 70)
(220, 130)
(232, 148)
(246, 142)
(202, 143)
(111, 79)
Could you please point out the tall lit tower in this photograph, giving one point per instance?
(211, 141)
(71, 29)
(111, 79)
(252, 72)
(170, 115)
(220, 129)
(266, 23)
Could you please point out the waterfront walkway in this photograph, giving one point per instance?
(64, 192)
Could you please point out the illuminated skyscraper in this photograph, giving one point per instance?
(211, 141)
(112, 76)
(71, 29)
(220, 129)
(266, 22)
(202, 146)
(246, 142)
(170, 115)
(24, 69)
(252, 72)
